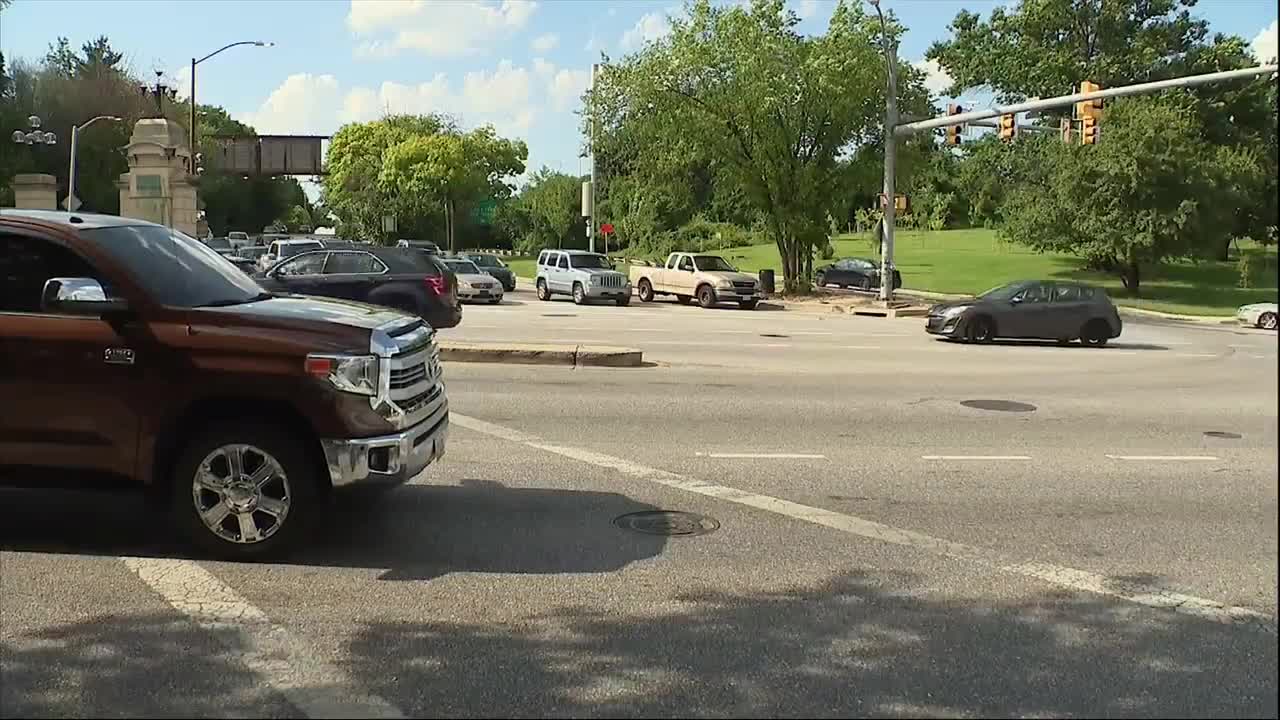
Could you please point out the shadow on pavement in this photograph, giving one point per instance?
(414, 532)
(854, 647)
(1073, 345)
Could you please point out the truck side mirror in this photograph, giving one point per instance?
(78, 296)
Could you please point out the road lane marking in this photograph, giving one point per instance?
(853, 525)
(315, 687)
(765, 456)
(694, 343)
(1196, 354)
(1189, 458)
(975, 457)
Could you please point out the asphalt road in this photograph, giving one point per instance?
(878, 546)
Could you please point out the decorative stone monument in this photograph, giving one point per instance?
(160, 186)
(35, 191)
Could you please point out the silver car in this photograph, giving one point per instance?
(473, 283)
(584, 275)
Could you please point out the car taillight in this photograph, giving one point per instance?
(436, 284)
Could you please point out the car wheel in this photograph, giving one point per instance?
(1267, 321)
(579, 294)
(979, 329)
(244, 491)
(646, 291)
(1095, 333)
(706, 296)
(748, 304)
(543, 292)
(624, 301)
(684, 299)
(820, 280)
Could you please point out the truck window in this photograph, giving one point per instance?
(27, 263)
(671, 262)
(686, 263)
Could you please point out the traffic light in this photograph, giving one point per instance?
(1089, 130)
(953, 131)
(1008, 126)
(1065, 127)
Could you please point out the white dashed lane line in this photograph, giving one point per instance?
(763, 456)
(975, 457)
(1054, 574)
(1158, 458)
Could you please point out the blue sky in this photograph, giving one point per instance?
(518, 64)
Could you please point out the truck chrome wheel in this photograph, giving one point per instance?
(241, 493)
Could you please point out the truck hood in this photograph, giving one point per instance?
(728, 275)
(296, 324)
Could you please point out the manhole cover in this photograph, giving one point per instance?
(1223, 434)
(998, 405)
(667, 522)
(558, 315)
(774, 335)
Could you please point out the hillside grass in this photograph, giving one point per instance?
(974, 260)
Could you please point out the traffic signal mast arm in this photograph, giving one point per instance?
(1067, 100)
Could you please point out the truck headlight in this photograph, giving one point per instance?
(724, 284)
(356, 374)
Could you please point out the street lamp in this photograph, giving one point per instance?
(195, 62)
(72, 202)
(34, 136)
(890, 156)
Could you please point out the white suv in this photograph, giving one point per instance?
(584, 275)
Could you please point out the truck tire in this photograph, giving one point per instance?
(646, 290)
(706, 296)
(544, 293)
(579, 294)
(245, 491)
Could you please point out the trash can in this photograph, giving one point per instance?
(766, 281)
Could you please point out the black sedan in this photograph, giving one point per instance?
(407, 280)
(854, 273)
(1030, 309)
(493, 265)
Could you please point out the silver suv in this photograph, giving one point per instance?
(584, 275)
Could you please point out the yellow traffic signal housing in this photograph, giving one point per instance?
(1089, 130)
(953, 131)
(1008, 126)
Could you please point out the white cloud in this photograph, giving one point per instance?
(1264, 44)
(442, 29)
(567, 87)
(936, 79)
(304, 104)
(651, 26)
(543, 68)
(543, 43)
(807, 9)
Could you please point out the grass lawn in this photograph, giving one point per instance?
(971, 261)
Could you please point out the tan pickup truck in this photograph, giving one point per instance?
(693, 275)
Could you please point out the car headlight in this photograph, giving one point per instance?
(724, 284)
(356, 374)
(954, 311)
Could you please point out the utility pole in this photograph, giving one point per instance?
(890, 156)
(591, 148)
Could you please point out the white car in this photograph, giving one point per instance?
(285, 249)
(473, 283)
(1261, 315)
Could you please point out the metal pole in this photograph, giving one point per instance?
(1065, 100)
(191, 98)
(890, 157)
(591, 148)
(71, 171)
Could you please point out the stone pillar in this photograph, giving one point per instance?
(35, 191)
(159, 186)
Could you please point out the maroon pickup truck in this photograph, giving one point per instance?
(130, 351)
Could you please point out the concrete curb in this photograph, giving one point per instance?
(541, 354)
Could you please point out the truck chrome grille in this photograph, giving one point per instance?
(743, 284)
(407, 376)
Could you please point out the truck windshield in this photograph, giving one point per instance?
(175, 269)
(589, 262)
(711, 263)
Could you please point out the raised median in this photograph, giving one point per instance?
(541, 354)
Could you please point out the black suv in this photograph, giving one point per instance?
(407, 280)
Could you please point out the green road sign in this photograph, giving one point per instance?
(484, 211)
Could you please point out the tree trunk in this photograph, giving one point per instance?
(1224, 250)
(1130, 276)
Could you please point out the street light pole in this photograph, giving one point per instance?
(72, 201)
(591, 148)
(192, 95)
(890, 156)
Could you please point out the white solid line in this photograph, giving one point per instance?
(1195, 354)
(317, 688)
(975, 457)
(766, 456)
(1162, 457)
(1056, 575)
(858, 347)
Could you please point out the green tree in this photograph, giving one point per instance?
(770, 107)
(1151, 190)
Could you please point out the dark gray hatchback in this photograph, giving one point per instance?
(1031, 310)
